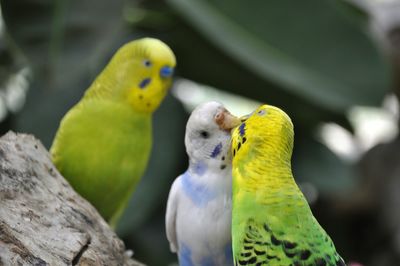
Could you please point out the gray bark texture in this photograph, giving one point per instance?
(43, 221)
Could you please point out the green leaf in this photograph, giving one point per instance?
(63, 39)
(306, 48)
(66, 44)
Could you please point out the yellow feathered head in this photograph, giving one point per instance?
(268, 131)
(140, 73)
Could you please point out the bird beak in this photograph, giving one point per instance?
(244, 118)
(226, 121)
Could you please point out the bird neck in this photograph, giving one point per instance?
(211, 174)
(104, 86)
(200, 167)
(98, 90)
(263, 171)
(113, 83)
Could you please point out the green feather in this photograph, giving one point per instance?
(272, 223)
(102, 148)
(103, 143)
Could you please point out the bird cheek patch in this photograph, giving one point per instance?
(144, 83)
(216, 151)
(242, 129)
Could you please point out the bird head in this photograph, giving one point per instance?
(267, 131)
(207, 137)
(140, 73)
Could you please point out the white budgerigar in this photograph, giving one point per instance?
(198, 218)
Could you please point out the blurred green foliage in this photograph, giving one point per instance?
(307, 48)
(313, 58)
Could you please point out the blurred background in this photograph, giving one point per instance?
(333, 65)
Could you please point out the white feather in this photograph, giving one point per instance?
(198, 217)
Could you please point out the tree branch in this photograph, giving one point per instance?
(43, 221)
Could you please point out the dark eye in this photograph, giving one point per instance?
(204, 134)
(147, 63)
(261, 112)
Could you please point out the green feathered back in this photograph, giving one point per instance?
(284, 233)
(102, 148)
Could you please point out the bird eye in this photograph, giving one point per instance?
(147, 63)
(261, 112)
(204, 134)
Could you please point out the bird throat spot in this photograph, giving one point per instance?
(240, 142)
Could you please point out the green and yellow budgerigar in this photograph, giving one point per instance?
(103, 143)
(272, 223)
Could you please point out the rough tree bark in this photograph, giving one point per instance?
(43, 221)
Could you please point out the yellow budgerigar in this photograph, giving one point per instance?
(272, 223)
(103, 143)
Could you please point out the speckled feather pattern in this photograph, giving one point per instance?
(272, 222)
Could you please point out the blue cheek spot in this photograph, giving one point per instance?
(185, 255)
(166, 71)
(242, 129)
(216, 151)
(198, 193)
(143, 84)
